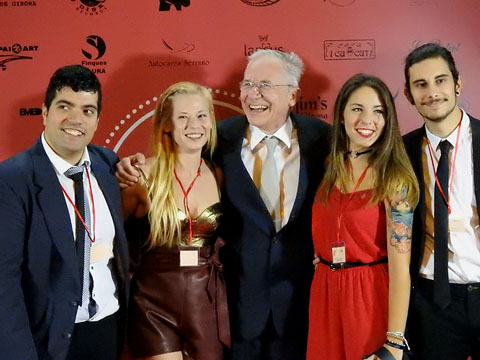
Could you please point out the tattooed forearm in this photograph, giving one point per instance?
(401, 219)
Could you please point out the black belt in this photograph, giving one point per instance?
(347, 265)
(458, 290)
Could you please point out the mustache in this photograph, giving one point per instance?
(434, 101)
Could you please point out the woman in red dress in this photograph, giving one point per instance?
(362, 222)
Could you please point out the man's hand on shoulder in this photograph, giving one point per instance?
(127, 173)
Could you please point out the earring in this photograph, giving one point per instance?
(457, 92)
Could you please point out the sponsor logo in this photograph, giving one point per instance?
(341, 2)
(128, 130)
(9, 53)
(452, 47)
(312, 106)
(177, 63)
(260, 2)
(263, 43)
(95, 50)
(360, 49)
(90, 7)
(171, 62)
(18, 3)
(30, 111)
(175, 48)
(4, 59)
(97, 45)
(165, 5)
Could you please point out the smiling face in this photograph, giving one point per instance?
(433, 90)
(70, 122)
(363, 118)
(267, 109)
(191, 122)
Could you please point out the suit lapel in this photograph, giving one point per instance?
(239, 181)
(475, 124)
(303, 142)
(109, 186)
(54, 208)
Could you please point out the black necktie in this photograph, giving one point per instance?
(441, 284)
(82, 239)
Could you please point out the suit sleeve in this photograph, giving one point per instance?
(16, 341)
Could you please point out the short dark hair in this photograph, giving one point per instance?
(76, 77)
(428, 51)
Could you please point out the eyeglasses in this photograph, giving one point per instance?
(262, 87)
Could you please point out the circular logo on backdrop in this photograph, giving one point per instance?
(341, 2)
(90, 7)
(260, 2)
(99, 47)
(92, 3)
(16, 48)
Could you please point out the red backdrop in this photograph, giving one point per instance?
(138, 48)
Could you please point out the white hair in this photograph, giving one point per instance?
(292, 62)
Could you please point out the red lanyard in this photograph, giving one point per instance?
(185, 197)
(342, 208)
(92, 238)
(430, 150)
(359, 181)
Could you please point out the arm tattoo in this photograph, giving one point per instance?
(401, 219)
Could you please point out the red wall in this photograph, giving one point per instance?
(138, 50)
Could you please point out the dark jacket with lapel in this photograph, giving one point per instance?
(413, 144)
(268, 271)
(39, 279)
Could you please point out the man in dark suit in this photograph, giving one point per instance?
(444, 318)
(64, 260)
(269, 245)
(267, 197)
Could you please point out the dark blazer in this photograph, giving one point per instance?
(39, 278)
(268, 271)
(413, 144)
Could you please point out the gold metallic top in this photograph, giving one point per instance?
(204, 226)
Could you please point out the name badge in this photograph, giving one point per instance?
(99, 252)
(189, 257)
(457, 225)
(338, 253)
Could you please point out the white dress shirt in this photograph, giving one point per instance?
(104, 288)
(464, 232)
(287, 159)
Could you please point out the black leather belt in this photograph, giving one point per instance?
(347, 265)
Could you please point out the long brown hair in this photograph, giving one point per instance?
(388, 157)
(163, 212)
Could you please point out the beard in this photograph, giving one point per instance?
(439, 116)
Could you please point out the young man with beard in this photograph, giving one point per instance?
(444, 319)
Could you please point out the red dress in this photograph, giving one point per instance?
(348, 307)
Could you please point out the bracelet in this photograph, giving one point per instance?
(399, 335)
(395, 345)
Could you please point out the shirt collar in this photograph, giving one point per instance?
(284, 134)
(59, 164)
(452, 138)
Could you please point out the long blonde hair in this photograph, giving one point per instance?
(163, 212)
(388, 157)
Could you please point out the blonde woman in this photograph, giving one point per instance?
(178, 308)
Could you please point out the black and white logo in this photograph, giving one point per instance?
(16, 51)
(166, 5)
(97, 47)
